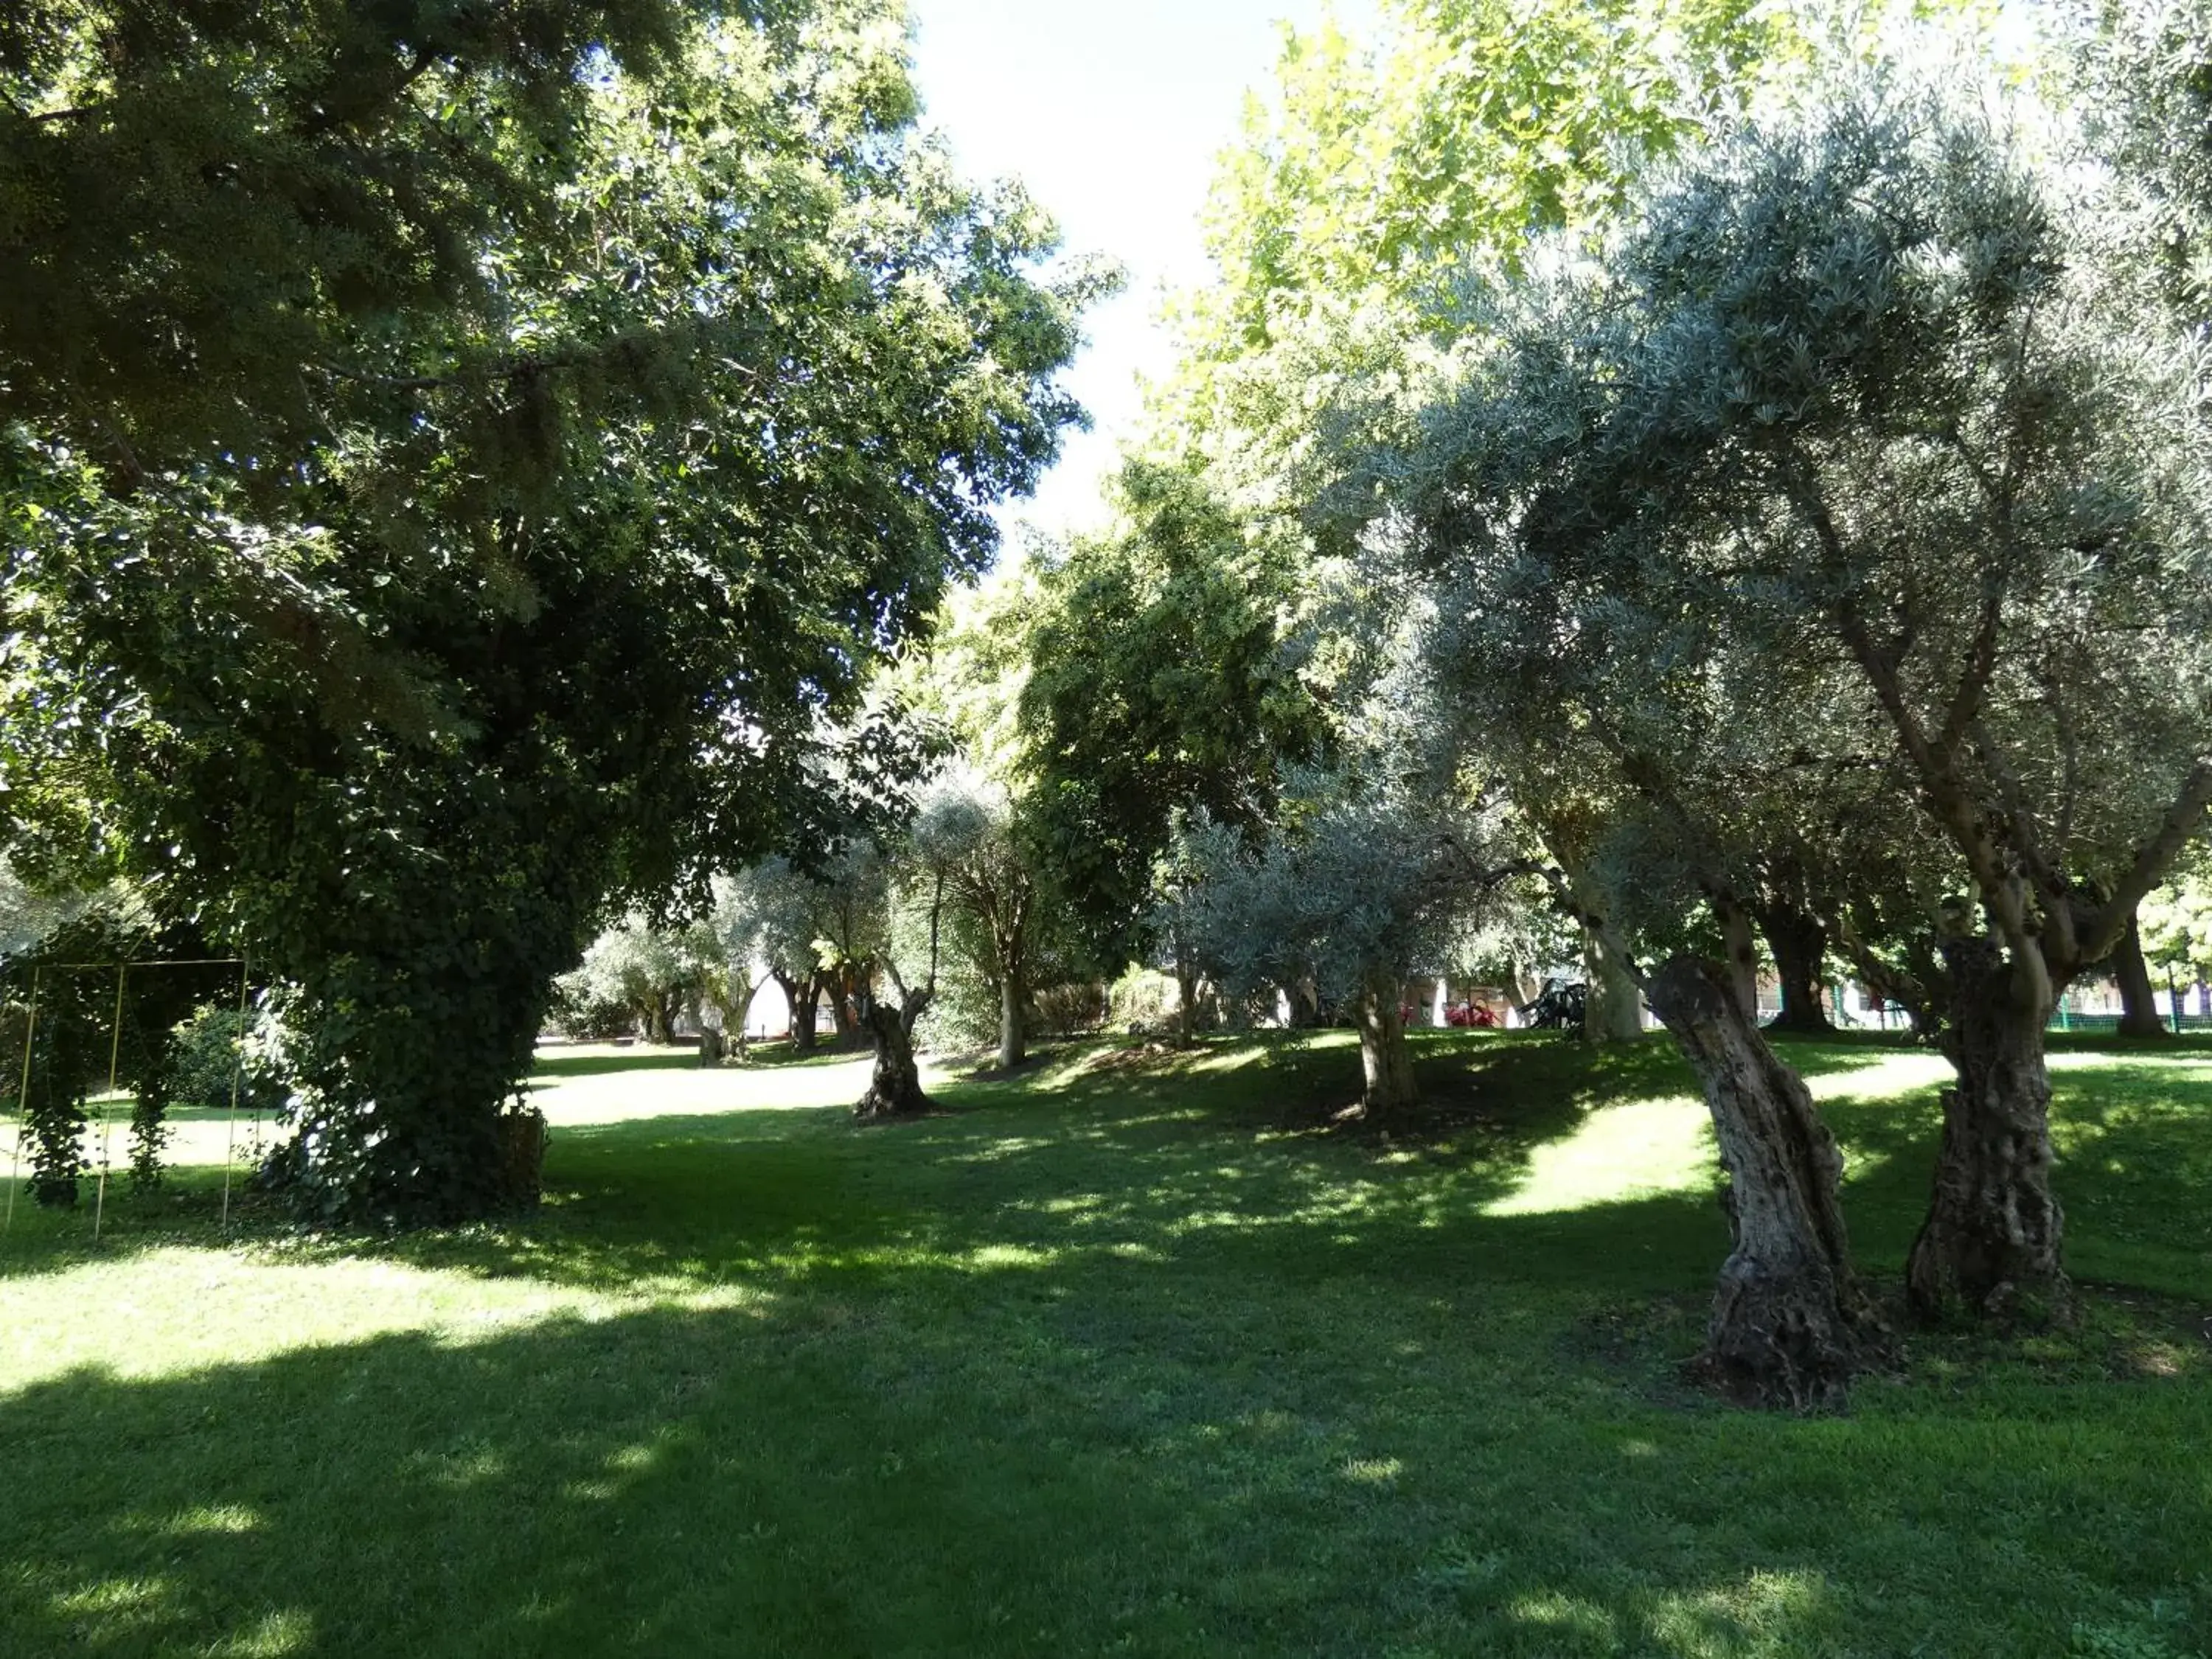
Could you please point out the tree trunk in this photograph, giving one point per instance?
(711, 1047)
(844, 987)
(1186, 1002)
(1739, 943)
(1799, 942)
(1614, 1010)
(1991, 1243)
(1385, 1060)
(1013, 1045)
(895, 1085)
(1528, 986)
(803, 998)
(1789, 1325)
(2139, 1015)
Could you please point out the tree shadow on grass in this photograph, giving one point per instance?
(1109, 1369)
(1069, 1452)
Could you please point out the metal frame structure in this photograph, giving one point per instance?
(123, 971)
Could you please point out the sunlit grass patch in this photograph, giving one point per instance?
(1618, 1153)
(175, 1309)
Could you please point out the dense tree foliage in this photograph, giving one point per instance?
(1162, 676)
(539, 577)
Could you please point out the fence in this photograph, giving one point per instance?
(2063, 1018)
(55, 1002)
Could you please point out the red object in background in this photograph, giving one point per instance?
(1471, 1014)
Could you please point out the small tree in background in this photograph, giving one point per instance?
(645, 971)
(2176, 920)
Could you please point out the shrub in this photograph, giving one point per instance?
(205, 1061)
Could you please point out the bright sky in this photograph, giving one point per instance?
(1112, 113)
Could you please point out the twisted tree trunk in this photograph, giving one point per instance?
(1991, 1243)
(1789, 1325)
(802, 998)
(1385, 1060)
(895, 1084)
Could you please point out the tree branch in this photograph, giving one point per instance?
(2183, 820)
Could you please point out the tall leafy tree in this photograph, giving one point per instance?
(1164, 675)
(544, 579)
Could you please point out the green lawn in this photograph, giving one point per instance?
(1129, 1355)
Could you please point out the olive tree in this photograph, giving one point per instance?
(648, 972)
(1874, 398)
(1370, 868)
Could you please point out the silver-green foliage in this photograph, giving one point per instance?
(1861, 426)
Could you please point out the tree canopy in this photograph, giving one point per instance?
(548, 576)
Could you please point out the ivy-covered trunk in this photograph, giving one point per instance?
(1991, 1243)
(1799, 942)
(895, 1084)
(1385, 1058)
(411, 1104)
(2139, 1015)
(53, 1127)
(1789, 1324)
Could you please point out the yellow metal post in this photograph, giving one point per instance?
(22, 1104)
(107, 1105)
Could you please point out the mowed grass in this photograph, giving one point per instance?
(1132, 1354)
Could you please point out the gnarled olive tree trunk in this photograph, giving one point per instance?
(1991, 1243)
(1385, 1058)
(1789, 1325)
(895, 1084)
(804, 997)
(1799, 942)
